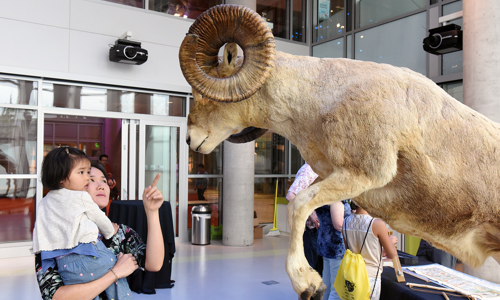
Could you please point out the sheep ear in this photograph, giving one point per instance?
(230, 55)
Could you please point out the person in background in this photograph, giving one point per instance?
(305, 177)
(114, 192)
(201, 184)
(126, 244)
(104, 161)
(361, 225)
(435, 255)
(331, 244)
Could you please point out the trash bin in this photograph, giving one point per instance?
(200, 232)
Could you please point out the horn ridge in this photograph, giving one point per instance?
(215, 27)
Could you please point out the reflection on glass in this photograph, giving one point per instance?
(18, 141)
(453, 62)
(211, 161)
(329, 19)
(134, 3)
(270, 154)
(13, 91)
(369, 12)
(84, 133)
(264, 193)
(299, 21)
(211, 194)
(162, 157)
(275, 15)
(296, 160)
(100, 99)
(182, 9)
(17, 209)
(333, 48)
(455, 89)
(394, 42)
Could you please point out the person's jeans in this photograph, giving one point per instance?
(310, 241)
(330, 269)
(77, 268)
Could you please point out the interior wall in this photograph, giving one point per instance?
(70, 40)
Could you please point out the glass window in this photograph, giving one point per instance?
(276, 16)
(13, 91)
(369, 12)
(264, 193)
(212, 162)
(18, 141)
(299, 21)
(296, 160)
(453, 62)
(455, 89)
(134, 3)
(333, 48)
(92, 98)
(270, 154)
(190, 9)
(329, 19)
(212, 194)
(398, 43)
(84, 133)
(17, 209)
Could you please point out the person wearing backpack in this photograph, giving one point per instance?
(330, 243)
(366, 235)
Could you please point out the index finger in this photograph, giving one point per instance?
(155, 181)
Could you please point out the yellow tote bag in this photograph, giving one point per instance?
(352, 279)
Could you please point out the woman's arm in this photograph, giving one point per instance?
(337, 213)
(155, 250)
(380, 230)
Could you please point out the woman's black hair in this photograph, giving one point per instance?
(100, 168)
(354, 206)
(57, 165)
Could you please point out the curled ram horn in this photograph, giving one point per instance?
(217, 26)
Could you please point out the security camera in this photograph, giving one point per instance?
(443, 40)
(129, 52)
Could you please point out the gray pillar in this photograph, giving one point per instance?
(238, 190)
(481, 61)
(238, 184)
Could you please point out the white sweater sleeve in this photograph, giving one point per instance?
(96, 215)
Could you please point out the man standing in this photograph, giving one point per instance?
(201, 183)
(103, 160)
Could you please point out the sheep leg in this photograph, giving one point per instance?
(305, 280)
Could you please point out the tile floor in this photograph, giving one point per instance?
(201, 272)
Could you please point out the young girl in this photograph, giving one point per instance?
(355, 230)
(68, 223)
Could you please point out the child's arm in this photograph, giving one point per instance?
(125, 266)
(380, 231)
(97, 216)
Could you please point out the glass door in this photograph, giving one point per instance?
(162, 150)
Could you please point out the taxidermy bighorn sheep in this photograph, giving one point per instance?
(387, 137)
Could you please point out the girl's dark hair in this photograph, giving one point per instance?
(100, 168)
(57, 165)
(354, 206)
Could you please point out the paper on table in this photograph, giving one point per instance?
(459, 281)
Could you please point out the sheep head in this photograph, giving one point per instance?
(219, 85)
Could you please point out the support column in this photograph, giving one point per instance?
(238, 184)
(238, 191)
(481, 62)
